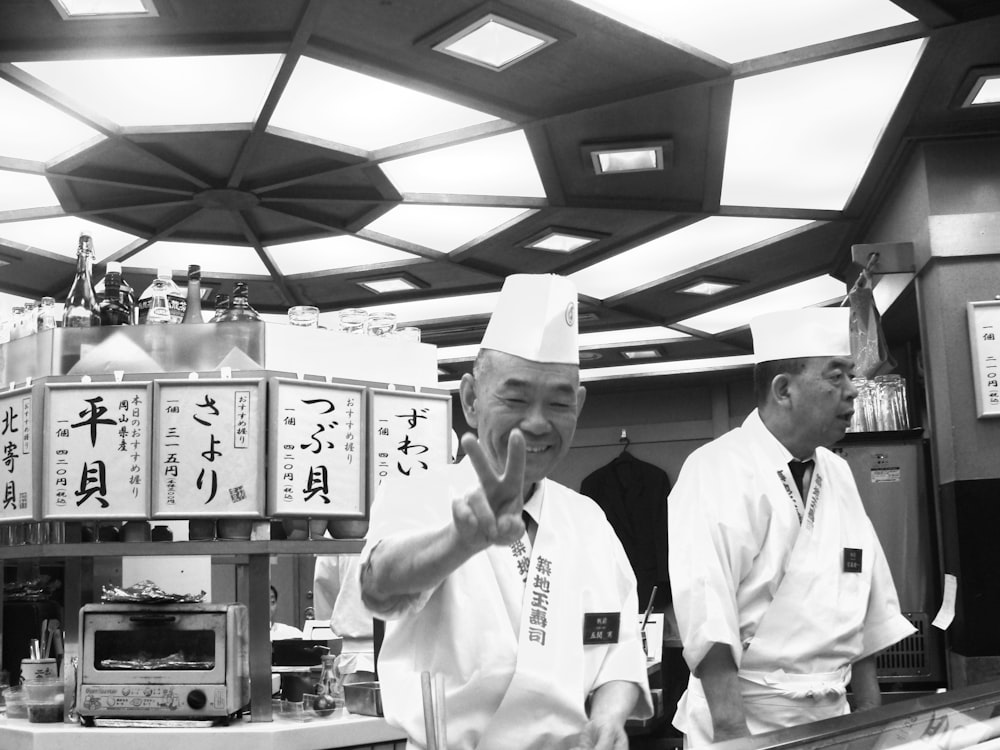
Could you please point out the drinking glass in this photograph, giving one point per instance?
(408, 333)
(381, 324)
(353, 320)
(306, 316)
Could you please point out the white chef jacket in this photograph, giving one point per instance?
(798, 588)
(516, 671)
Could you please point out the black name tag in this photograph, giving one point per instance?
(852, 560)
(601, 627)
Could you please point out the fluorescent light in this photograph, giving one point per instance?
(341, 106)
(813, 292)
(986, 90)
(802, 137)
(677, 251)
(59, 235)
(618, 159)
(85, 9)
(329, 254)
(383, 286)
(560, 241)
(708, 287)
(213, 259)
(19, 191)
(38, 131)
(494, 42)
(498, 165)
(642, 354)
(441, 227)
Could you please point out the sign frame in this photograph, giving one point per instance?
(984, 319)
(34, 504)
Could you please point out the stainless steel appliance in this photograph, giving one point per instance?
(155, 661)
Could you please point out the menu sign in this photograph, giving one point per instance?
(410, 432)
(16, 473)
(96, 450)
(208, 457)
(984, 335)
(318, 449)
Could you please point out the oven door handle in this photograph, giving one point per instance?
(152, 619)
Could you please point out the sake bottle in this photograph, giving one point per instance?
(240, 310)
(192, 312)
(126, 294)
(81, 309)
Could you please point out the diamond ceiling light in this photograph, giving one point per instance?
(59, 235)
(38, 131)
(104, 9)
(388, 284)
(213, 259)
(616, 159)
(708, 287)
(444, 228)
(344, 107)
(802, 137)
(143, 92)
(642, 354)
(818, 291)
(678, 251)
(985, 90)
(735, 30)
(19, 191)
(560, 241)
(498, 165)
(329, 254)
(494, 42)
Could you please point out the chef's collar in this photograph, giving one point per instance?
(534, 502)
(779, 447)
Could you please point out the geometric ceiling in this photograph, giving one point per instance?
(311, 147)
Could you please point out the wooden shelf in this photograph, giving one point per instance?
(216, 548)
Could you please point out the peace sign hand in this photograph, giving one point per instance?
(491, 514)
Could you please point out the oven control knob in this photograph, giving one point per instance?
(197, 699)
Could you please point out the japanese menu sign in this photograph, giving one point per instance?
(96, 450)
(317, 449)
(16, 474)
(208, 451)
(984, 335)
(409, 432)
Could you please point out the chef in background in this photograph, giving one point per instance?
(449, 555)
(279, 630)
(782, 592)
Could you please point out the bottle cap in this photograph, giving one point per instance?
(194, 272)
(114, 266)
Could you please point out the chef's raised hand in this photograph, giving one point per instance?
(491, 514)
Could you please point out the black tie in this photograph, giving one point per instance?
(799, 469)
(529, 525)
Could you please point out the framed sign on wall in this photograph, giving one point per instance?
(17, 480)
(984, 337)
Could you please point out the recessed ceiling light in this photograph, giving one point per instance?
(560, 241)
(494, 42)
(590, 356)
(985, 90)
(625, 157)
(708, 287)
(642, 354)
(83, 9)
(388, 284)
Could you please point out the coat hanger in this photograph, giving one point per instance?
(625, 443)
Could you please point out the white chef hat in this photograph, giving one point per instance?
(809, 332)
(535, 319)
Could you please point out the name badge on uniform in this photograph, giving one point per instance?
(601, 627)
(852, 560)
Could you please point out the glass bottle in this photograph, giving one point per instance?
(81, 309)
(30, 321)
(329, 690)
(240, 310)
(113, 311)
(162, 301)
(16, 322)
(192, 310)
(46, 314)
(221, 307)
(126, 294)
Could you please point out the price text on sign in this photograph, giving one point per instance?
(96, 450)
(984, 337)
(209, 448)
(317, 449)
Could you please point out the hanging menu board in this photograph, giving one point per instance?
(984, 335)
(410, 432)
(96, 450)
(317, 449)
(20, 502)
(208, 449)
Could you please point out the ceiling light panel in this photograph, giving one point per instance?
(735, 30)
(558, 241)
(39, 131)
(384, 286)
(341, 106)
(642, 354)
(802, 137)
(328, 254)
(680, 250)
(98, 9)
(616, 160)
(987, 91)
(420, 311)
(444, 228)
(494, 42)
(499, 165)
(707, 288)
(143, 92)
(60, 236)
(818, 291)
(222, 259)
(20, 191)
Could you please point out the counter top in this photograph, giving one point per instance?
(341, 730)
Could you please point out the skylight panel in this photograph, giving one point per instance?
(420, 311)
(802, 137)
(60, 235)
(331, 254)
(735, 30)
(18, 190)
(444, 228)
(38, 131)
(817, 291)
(94, 9)
(227, 259)
(342, 106)
(143, 92)
(500, 165)
(677, 251)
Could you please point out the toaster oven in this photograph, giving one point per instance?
(156, 661)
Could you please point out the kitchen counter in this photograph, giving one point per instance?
(341, 730)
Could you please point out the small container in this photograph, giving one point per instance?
(15, 700)
(45, 712)
(306, 316)
(201, 528)
(45, 691)
(296, 529)
(234, 528)
(407, 333)
(38, 670)
(317, 528)
(353, 320)
(381, 324)
(363, 698)
(136, 531)
(161, 534)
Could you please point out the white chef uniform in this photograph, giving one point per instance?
(797, 602)
(516, 670)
